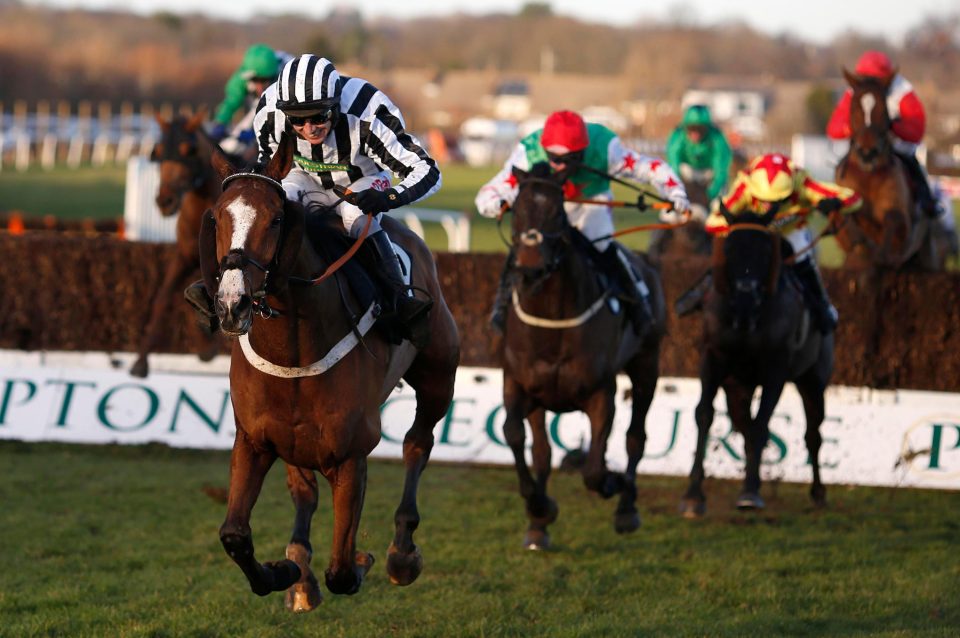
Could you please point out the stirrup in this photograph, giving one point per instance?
(688, 303)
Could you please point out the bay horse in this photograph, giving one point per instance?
(301, 389)
(756, 332)
(563, 347)
(888, 230)
(188, 186)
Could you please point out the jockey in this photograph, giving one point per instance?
(350, 134)
(698, 151)
(257, 71)
(773, 180)
(588, 155)
(907, 122)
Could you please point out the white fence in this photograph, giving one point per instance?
(142, 220)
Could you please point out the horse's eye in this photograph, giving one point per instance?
(276, 221)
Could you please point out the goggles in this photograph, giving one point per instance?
(573, 157)
(319, 118)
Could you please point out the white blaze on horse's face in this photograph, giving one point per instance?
(233, 284)
(867, 102)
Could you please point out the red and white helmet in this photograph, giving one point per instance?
(874, 64)
(564, 132)
(770, 177)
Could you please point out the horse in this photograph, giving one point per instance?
(888, 230)
(691, 238)
(756, 332)
(301, 389)
(189, 186)
(562, 348)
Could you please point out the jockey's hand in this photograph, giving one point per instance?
(698, 212)
(246, 136)
(218, 132)
(372, 201)
(680, 202)
(670, 216)
(829, 205)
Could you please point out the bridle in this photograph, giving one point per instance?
(537, 238)
(881, 153)
(237, 259)
(192, 163)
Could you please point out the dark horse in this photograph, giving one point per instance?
(189, 186)
(888, 230)
(756, 332)
(301, 388)
(563, 348)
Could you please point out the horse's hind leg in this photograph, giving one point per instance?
(433, 382)
(811, 387)
(643, 372)
(304, 595)
(248, 467)
(694, 501)
(756, 434)
(347, 566)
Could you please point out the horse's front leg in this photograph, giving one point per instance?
(896, 236)
(541, 509)
(248, 467)
(347, 566)
(694, 501)
(156, 324)
(755, 439)
(304, 595)
(600, 409)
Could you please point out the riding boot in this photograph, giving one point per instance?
(929, 204)
(196, 295)
(636, 303)
(410, 313)
(692, 299)
(498, 317)
(825, 315)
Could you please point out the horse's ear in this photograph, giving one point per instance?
(851, 78)
(768, 216)
(282, 161)
(222, 164)
(727, 215)
(164, 125)
(208, 252)
(519, 173)
(194, 122)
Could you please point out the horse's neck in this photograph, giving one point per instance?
(565, 288)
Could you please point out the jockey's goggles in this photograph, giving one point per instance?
(321, 117)
(573, 157)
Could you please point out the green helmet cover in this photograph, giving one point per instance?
(696, 115)
(259, 62)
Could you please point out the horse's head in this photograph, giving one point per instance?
(870, 141)
(182, 164)
(540, 229)
(746, 266)
(254, 231)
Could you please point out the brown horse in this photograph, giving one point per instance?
(888, 230)
(563, 348)
(756, 333)
(689, 239)
(300, 389)
(189, 186)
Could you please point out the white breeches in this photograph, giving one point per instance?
(305, 188)
(799, 239)
(592, 220)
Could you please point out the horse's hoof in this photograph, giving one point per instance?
(626, 522)
(692, 508)
(819, 497)
(140, 369)
(304, 596)
(348, 581)
(536, 540)
(403, 569)
(750, 501)
(281, 574)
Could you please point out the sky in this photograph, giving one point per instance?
(816, 21)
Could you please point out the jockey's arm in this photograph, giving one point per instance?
(503, 186)
(402, 154)
(735, 200)
(722, 156)
(624, 162)
(812, 192)
(838, 128)
(910, 121)
(234, 97)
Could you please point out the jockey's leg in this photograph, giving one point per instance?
(498, 317)
(825, 315)
(692, 299)
(635, 295)
(921, 184)
(411, 313)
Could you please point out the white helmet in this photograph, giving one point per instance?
(308, 84)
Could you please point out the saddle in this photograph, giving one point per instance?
(326, 233)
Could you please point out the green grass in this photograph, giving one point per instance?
(122, 541)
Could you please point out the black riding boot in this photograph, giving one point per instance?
(925, 198)
(635, 304)
(498, 317)
(410, 313)
(824, 314)
(196, 295)
(692, 299)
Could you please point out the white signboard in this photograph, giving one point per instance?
(870, 437)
